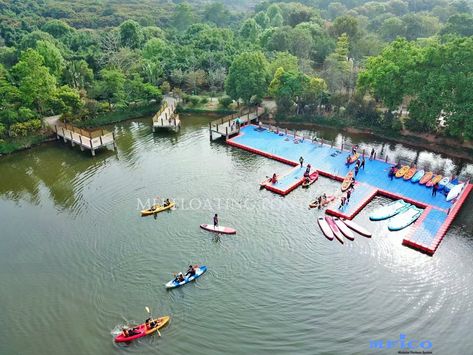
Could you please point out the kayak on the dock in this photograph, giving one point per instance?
(450, 185)
(455, 191)
(435, 179)
(344, 229)
(389, 210)
(336, 231)
(156, 209)
(312, 178)
(402, 171)
(417, 176)
(141, 330)
(357, 228)
(410, 173)
(347, 181)
(426, 178)
(352, 158)
(218, 229)
(180, 281)
(443, 183)
(325, 228)
(404, 219)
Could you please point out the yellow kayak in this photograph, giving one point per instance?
(401, 172)
(156, 209)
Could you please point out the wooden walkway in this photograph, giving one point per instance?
(230, 125)
(86, 139)
(166, 117)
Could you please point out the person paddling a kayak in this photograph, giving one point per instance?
(179, 278)
(167, 202)
(190, 271)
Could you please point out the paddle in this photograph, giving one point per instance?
(149, 313)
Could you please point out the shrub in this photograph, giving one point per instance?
(3, 130)
(204, 100)
(21, 129)
(194, 100)
(225, 101)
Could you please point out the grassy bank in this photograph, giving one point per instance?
(118, 116)
(10, 145)
(217, 111)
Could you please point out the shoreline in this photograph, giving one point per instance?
(415, 141)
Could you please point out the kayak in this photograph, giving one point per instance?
(312, 178)
(426, 178)
(156, 209)
(450, 185)
(389, 210)
(344, 229)
(455, 191)
(198, 272)
(401, 172)
(443, 183)
(267, 181)
(417, 176)
(353, 158)
(325, 202)
(141, 331)
(347, 181)
(404, 219)
(410, 173)
(219, 229)
(434, 180)
(357, 228)
(334, 228)
(325, 228)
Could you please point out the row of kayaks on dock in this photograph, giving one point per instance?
(333, 227)
(402, 214)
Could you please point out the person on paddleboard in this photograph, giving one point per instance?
(215, 221)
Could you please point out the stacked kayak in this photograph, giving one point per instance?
(410, 173)
(451, 185)
(455, 191)
(142, 330)
(326, 230)
(336, 231)
(312, 178)
(156, 209)
(417, 176)
(389, 210)
(426, 178)
(198, 273)
(357, 228)
(405, 218)
(401, 172)
(443, 183)
(436, 179)
(333, 227)
(344, 229)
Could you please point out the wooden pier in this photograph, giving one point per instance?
(229, 126)
(85, 139)
(166, 117)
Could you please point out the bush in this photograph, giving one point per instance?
(165, 87)
(225, 101)
(3, 130)
(194, 100)
(22, 129)
(204, 100)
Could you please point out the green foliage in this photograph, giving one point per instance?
(225, 101)
(131, 34)
(22, 129)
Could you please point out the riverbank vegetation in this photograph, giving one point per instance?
(395, 64)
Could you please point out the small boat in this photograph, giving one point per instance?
(353, 159)
(219, 229)
(199, 270)
(312, 178)
(405, 218)
(455, 191)
(357, 228)
(344, 229)
(410, 173)
(141, 330)
(450, 185)
(417, 176)
(336, 231)
(426, 178)
(324, 203)
(389, 210)
(401, 172)
(443, 183)
(156, 209)
(434, 180)
(325, 228)
(347, 181)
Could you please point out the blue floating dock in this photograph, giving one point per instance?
(373, 180)
(288, 182)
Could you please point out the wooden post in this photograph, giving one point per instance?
(80, 139)
(226, 132)
(114, 144)
(386, 158)
(72, 139)
(64, 135)
(210, 130)
(57, 135)
(101, 142)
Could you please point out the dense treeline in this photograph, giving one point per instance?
(85, 58)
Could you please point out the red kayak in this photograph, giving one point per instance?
(141, 330)
(312, 178)
(334, 228)
(219, 229)
(325, 228)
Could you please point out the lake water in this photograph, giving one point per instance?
(77, 261)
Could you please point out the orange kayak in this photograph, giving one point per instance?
(353, 158)
(410, 173)
(347, 181)
(435, 180)
(401, 172)
(142, 330)
(426, 178)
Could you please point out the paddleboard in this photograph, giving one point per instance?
(389, 210)
(404, 219)
(334, 228)
(325, 228)
(198, 272)
(218, 229)
(357, 228)
(344, 229)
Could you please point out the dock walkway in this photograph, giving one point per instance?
(166, 117)
(230, 125)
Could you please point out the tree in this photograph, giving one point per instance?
(461, 24)
(250, 30)
(336, 9)
(57, 28)
(131, 34)
(52, 57)
(262, 20)
(78, 75)
(345, 24)
(194, 79)
(392, 28)
(216, 79)
(277, 20)
(247, 77)
(216, 13)
(283, 60)
(182, 17)
(111, 87)
(68, 102)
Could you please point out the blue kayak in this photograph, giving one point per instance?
(417, 176)
(443, 183)
(404, 219)
(389, 210)
(198, 272)
(450, 185)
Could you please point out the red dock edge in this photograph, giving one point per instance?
(431, 249)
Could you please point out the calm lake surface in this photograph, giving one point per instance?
(77, 261)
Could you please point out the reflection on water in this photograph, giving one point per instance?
(77, 258)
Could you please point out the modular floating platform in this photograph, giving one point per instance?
(424, 235)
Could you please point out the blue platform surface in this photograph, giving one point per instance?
(319, 156)
(292, 178)
(427, 230)
(357, 198)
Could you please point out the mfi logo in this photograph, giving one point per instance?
(402, 343)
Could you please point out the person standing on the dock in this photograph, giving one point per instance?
(301, 160)
(342, 202)
(356, 169)
(392, 172)
(362, 162)
(435, 189)
(349, 195)
(215, 221)
(372, 153)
